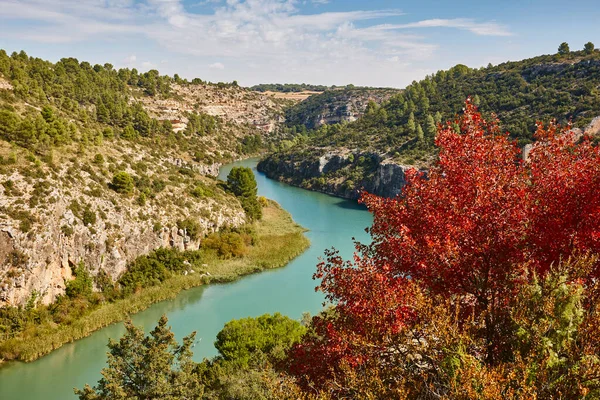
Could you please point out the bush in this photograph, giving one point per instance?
(227, 245)
(190, 226)
(89, 217)
(156, 267)
(81, 286)
(66, 230)
(145, 271)
(201, 190)
(122, 183)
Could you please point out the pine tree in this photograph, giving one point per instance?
(151, 367)
(420, 134)
(411, 123)
(242, 184)
(563, 49)
(430, 127)
(588, 48)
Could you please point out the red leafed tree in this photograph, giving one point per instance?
(481, 222)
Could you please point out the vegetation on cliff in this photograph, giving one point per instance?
(333, 106)
(402, 130)
(34, 330)
(472, 287)
(100, 165)
(296, 87)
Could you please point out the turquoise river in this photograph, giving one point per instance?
(332, 222)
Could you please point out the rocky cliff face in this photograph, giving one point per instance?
(342, 173)
(52, 219)
(62, 211)
(233, 105)
(335, 106)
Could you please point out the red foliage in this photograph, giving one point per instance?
(468, 228)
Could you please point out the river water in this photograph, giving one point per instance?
(332, 222)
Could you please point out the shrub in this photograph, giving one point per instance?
(190, 226)
(81, 285)
(67, 230)
(99, 159)
(89, 217)
(227, 244)
(122, 183)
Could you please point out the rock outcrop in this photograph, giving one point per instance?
(232, 104)
(342, 173)
(54, 219)
(335, 106)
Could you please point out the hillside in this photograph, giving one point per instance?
(99, 166)
(334, 106)
(341, 159)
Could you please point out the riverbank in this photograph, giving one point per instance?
(342, 173)
(279, 240)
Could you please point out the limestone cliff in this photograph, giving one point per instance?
(64, 139)
(51, 219)
(335, 106)
(339, 172)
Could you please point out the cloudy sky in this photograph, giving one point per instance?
(373, 42)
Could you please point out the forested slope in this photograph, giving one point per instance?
(334, 106)
(99, 166)
(402, 130)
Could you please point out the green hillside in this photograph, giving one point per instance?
(402, 129)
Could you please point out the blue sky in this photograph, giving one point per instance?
(375, 42)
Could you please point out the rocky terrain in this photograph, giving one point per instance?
(339, 172)
(62, 144)
(55, 217)
(293, 97)
(334, 106)
(232, 104)
(373, 151)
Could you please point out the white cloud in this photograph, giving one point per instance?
(130, 60)
(148, 65)
(478, 28)
(272, 36)
(216, 65)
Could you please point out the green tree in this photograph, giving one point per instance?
(122, 182)
(563, 49)
(420, 134)
(249, 349)
(588, 48)
(48, 114)
(242, 184)
(8, 125)
(411, 123)
(272, 335)
(430, 127)
(129, 132)
(81, 285)
(151, 367)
